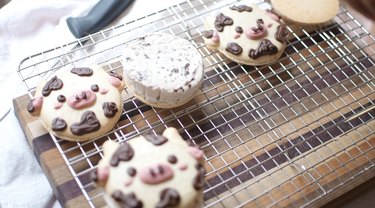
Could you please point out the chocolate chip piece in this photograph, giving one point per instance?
(234, 48)
(82, 72)
(114, 74)
(139, 76)
(179, 89)
(168, 198)
(58, 124)
(155, 139)
(172, 159)
(174, 71)
(221, 21)
(61, 98)
(132, 171)
(281, 34)
(198, 182)
(123, 153)
(238, 29)
(126, 200)
(110, 109)
(53, 84)
(265, 47)
(208, 33)
(95, 88)
(88, 123)
(241, 8)
(186, 67)
(187, 72)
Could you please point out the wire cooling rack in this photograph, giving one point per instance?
(296, 133)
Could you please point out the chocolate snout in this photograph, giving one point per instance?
(156, 174)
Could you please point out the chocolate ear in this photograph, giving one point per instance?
(221, 21)
(35, 105)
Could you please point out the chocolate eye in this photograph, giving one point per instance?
(61, 98)
(239, 29)
(172, 159)
(132, 171)
(95, 88)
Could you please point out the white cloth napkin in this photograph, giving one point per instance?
(28, 27)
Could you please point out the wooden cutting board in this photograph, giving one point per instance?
(334, 152)
(69, 194)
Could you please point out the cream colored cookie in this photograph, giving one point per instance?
(246, 34)
(152, 171)
(80, 104)
(306, 11)
(162, 70)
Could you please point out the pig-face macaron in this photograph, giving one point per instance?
(79, 104)
(152, 171)
(246, 34)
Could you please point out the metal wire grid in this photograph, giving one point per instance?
(287, 134)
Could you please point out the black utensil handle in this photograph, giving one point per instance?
(103, 13)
